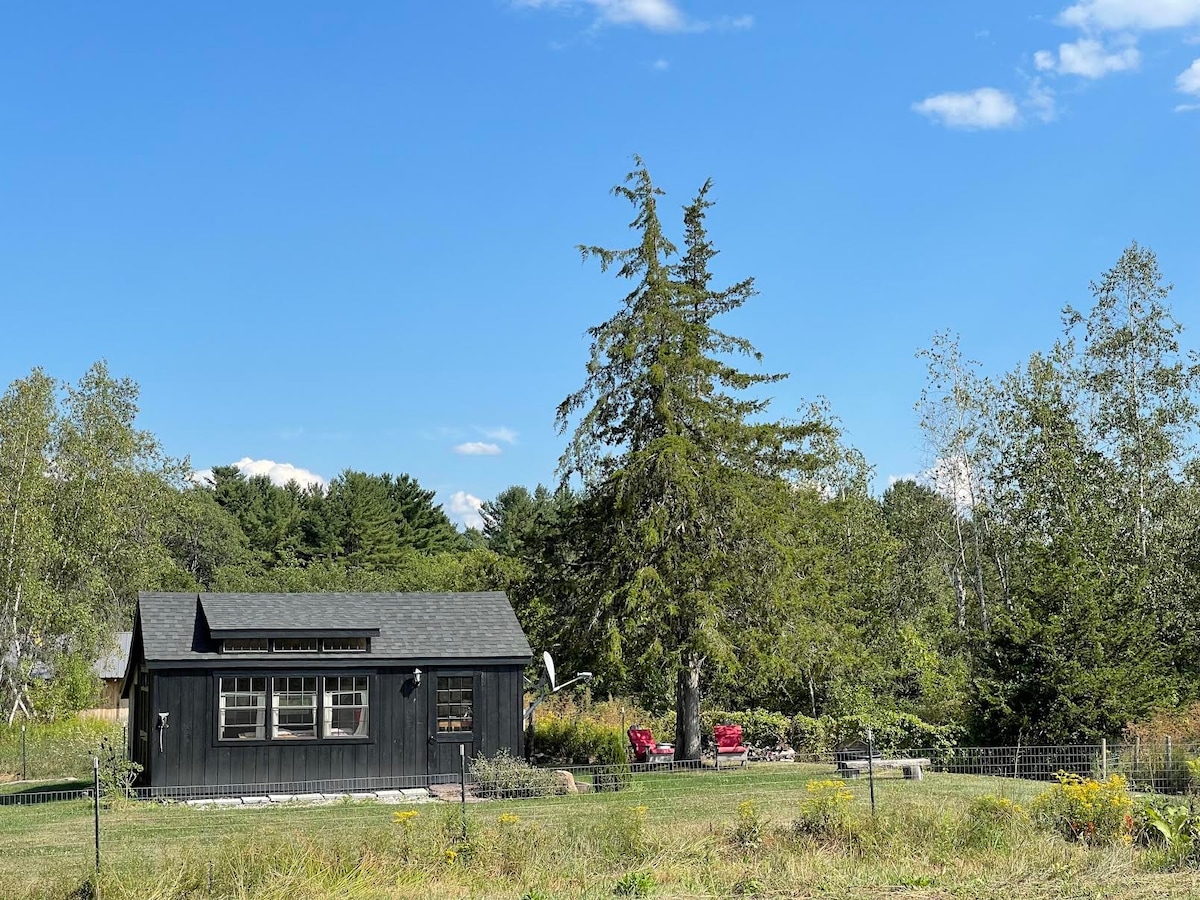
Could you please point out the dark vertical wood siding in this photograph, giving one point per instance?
(402, 739)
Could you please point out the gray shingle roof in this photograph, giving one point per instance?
(176, 627)
(112, 665)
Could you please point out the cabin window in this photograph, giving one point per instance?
(455, 697)
(346, 707)
(294, 645)
(294, 708)
(245, 645)
(344, 644)
(242, 709)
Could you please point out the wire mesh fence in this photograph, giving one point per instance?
(662, 795)
(1163, 767)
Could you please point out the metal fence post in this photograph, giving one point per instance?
(462, 761)
(1137, 758)
(96, 813)
(871, 767)
(1104, 758)
(24, 756)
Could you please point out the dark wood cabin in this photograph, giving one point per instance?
(351, 690)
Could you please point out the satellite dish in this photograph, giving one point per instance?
(549, 661)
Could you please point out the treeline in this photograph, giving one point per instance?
(1039, 583)
(93, 511)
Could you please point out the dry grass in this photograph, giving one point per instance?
(678, 828)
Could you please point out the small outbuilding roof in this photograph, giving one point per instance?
(112, 665)
(179, 627)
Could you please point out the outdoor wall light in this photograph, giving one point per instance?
(417, 677)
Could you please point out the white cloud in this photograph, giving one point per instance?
(464, 509)
(985, 108)
(1088, 57)
(503, 434)
(1140, 15)
(661, 65)
(279, 473)
(1040, 101)
(1188, 81)
(952, 478)
(477, 448)
(655, 15)
(896, 479)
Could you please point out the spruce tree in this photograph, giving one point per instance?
(677, 465)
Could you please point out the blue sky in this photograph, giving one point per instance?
(342, 235)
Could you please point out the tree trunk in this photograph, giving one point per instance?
(687, 708)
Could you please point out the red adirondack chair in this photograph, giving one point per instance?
(646, 749)
(729, 744)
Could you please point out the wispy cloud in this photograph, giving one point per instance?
(477, 448)
(1040, 102)
(1088, 58)
(279, 473)
(663, 16)
(501, 433)
(1131, 15)
(982, 109)
(660, 65)
(464, 509)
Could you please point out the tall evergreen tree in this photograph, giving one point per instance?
(675, 460)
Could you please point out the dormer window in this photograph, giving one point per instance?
(245, 645)
(294, 645)
(327, 644)
(344, 644)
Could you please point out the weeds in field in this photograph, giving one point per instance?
(992, 822)
(825, 808)
(1083, 809)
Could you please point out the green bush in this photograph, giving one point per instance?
(503, 777)
(614, 774)
(893, 731)
(824, 809)
(760, 727)
(1086, 810)
(579, 742)
(808, 735)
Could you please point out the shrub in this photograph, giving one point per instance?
(825, 807)
(581, 742)
(991, 820)
(614, 773)
(117, 771)
(807, 734)
(893, 731)
(503, 777)
(760, 727)
(1083, 809)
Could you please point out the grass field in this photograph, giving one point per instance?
(675, 835)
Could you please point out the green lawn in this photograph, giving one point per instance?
(677, 827)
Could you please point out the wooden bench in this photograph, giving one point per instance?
(852, 768)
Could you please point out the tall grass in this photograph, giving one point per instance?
(55, 749)
(690, 836)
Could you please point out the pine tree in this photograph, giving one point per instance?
(676, 461)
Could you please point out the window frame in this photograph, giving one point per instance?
(265, 710)
(453, 737)
(319, 648)
(327, 710)
(271, 674)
